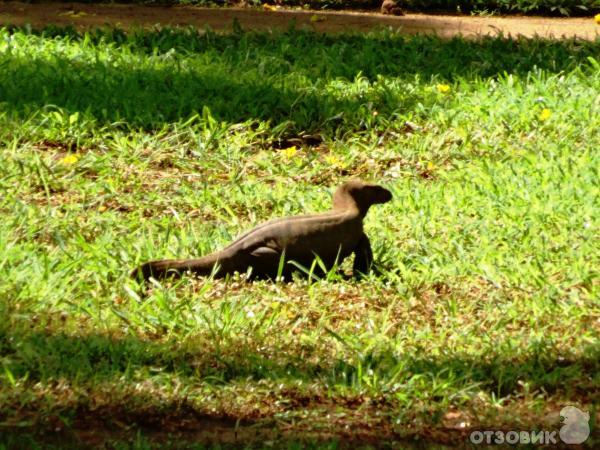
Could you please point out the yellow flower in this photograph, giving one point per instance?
(290, 152)
(545, 114)
(333, 160)
(316, 18)
(69, 160)
(102, 208)
(597, 19)
(443, 88)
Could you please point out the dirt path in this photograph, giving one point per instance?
(86, 16)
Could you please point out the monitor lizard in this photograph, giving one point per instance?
(331, 235)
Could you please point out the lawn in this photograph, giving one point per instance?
(116, 148)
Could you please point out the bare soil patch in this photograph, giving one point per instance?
(85, 16)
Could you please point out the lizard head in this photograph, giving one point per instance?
(361, 195)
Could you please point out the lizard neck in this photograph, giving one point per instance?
(342, 201)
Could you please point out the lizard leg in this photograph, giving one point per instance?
(363, 257)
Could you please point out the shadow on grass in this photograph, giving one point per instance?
(147, 79)
(42, 357)
(102, 401)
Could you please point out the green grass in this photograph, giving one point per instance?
(116, 148)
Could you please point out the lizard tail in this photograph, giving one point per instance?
(176, 267)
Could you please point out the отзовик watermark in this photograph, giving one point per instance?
(575, 429)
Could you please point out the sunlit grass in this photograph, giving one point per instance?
(117, 148)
